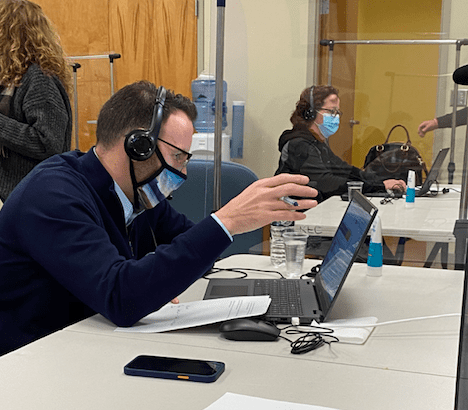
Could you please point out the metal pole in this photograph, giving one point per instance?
(112, 57)
(463, 199)
(400, 42)
(75, 103)
(89, 57)
(330, 44)
(218, 105)
(451, 165)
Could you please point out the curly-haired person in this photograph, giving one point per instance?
(35, 83)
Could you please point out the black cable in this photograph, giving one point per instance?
(387, 200)
(241, 271)
(434, 192)
(313, 272)
(447, 190)
(310, 340)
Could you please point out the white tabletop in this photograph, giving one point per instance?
(400, 293)
(73, 370)
(407, 365)
(431, 219)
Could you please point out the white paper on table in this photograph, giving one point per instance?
(232, 401)
(202, 312)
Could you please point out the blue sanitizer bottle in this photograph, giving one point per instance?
(375, 257)
(410, 190)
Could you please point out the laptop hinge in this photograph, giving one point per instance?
(322, 296)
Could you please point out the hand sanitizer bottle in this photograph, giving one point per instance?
(375, 257)
(410, 190)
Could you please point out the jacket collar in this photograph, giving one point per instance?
(297, 133)
(102, 183)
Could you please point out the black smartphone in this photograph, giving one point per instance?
(174, 368)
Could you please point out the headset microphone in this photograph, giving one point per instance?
(141, 144)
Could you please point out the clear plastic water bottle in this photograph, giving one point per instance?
(277, 248)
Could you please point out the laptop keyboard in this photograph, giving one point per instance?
(285, 298)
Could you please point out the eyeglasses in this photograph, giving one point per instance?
(181, 157)
(334, 111)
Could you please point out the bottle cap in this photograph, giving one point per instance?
(411, 179)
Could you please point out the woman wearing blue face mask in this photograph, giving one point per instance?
(304, 149)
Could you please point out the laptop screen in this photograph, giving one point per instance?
(434, 172)
(345, 245)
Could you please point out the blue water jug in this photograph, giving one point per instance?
(203, 96)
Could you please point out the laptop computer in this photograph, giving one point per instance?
(433, 173)
(419, 191)
(315, 297)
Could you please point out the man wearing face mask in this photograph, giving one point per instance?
(304, 149)
(93, 232)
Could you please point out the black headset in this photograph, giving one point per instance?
(311, 113)
(141, 144)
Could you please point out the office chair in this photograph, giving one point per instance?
(195, 197)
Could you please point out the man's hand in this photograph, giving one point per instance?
(395, 184)
(427, 126)
(260, 204)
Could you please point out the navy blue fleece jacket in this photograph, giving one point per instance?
(65, 252)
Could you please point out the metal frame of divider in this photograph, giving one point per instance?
(76, 66)
(221, 6)
(461, 225)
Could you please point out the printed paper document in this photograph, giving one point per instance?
(203, 312)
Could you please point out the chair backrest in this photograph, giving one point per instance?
(195, 197)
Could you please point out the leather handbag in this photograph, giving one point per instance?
(393, 160)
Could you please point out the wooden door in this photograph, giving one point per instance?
(155, 38)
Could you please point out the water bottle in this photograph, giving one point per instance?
(203, 96)
(277, 248)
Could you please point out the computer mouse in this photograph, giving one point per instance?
(249, 329)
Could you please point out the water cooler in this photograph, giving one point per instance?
(203, 96)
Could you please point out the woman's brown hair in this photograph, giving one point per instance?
(27, 37)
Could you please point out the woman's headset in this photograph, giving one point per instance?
(311, 113)
(141, 144)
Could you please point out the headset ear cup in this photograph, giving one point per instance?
(310, 115)
(139, 145)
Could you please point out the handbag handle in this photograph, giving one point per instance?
(408, 140)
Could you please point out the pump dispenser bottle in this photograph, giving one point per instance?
(410, 190)
(375, 257)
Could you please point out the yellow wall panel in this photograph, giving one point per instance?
(395, 84)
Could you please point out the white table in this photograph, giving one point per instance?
(405, 366)
(432, 219)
